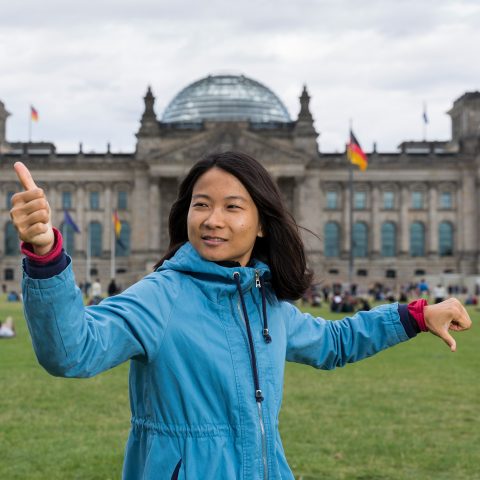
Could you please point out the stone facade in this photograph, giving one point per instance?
(431, 183)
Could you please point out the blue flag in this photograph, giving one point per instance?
(69, 221)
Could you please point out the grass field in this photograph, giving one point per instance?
(411, 412)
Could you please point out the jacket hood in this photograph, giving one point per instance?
(187, 260)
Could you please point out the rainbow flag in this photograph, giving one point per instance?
(33, 114)
(355, 153)
(117, 228)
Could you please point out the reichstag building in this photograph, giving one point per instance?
(416, 211)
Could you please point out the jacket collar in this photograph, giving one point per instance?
(188, 260)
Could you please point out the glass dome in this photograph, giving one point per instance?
(226, 98)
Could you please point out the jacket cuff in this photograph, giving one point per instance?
(408, 321)
(415, 309)
(51, 256)
(46, 270)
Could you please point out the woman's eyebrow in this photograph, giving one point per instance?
(229, 197)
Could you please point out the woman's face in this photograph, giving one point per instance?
(223, 221)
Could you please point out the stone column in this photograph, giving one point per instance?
(460, 237)
(345, 242)
(54, 202)
(168, 194)
(468, 258)
(469, 211)
(107, 219)
(404, 226)
(375, 222)
(80, 206)
(432, 220)
(154, 224)
(310, 212)
(142, 211)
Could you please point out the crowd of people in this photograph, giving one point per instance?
(343, 298)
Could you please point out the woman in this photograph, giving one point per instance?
(209, 331)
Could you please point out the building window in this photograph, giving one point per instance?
(8, 200)
(391, 274)
(420, 272)
(417, 200)
(360, 239)
(446, 200)
(67, 200)
(94, 200)
(9, 274)
(388, 200)
(122, 248)
(389, 237)
(333, 271)
(362, 272)
(332, 239)
(445, 239)
(95, 239)
(68, 234)
(417, 239)
(122, 200)
(360, 200)
(11, 240)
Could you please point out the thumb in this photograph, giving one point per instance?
(24, 176)
(449, 340)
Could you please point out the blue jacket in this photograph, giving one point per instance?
(205, 383)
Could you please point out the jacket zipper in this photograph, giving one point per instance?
(258, 391)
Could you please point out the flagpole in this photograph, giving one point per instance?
(350, 211)
(30, 126)
(424, 121)
(88, 278)
(112, 252)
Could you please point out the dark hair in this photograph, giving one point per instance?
(281, 247)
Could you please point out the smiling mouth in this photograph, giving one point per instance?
(212, 239)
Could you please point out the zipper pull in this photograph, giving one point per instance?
(257, 280)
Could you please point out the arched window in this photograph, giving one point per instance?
(360, 239)
(389, 239)
(11, 240)
(95, 237)
(417, 239)
(331, 233)
(68, 234)
(445, 239)
(122, 248)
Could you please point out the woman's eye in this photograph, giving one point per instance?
(233, 206)
(199, 204)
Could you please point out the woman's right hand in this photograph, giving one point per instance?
(30, 213)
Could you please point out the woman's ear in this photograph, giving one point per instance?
(260, 232)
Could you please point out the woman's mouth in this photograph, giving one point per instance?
(212, 240)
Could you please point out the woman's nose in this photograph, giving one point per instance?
(215, 219)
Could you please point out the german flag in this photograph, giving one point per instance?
(33, 114)
(117, 224)
(355, 153)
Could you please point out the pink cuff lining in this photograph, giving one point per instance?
(415, 309)
(53, 254)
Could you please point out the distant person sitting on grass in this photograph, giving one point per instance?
(7, 329)
(207, 332)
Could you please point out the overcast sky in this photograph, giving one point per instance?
(85, 66)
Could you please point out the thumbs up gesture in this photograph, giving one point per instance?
(30, 213)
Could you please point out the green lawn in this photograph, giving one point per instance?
(409, 413)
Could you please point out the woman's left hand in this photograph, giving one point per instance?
(444, 316)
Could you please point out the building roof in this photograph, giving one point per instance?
(226, 98)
